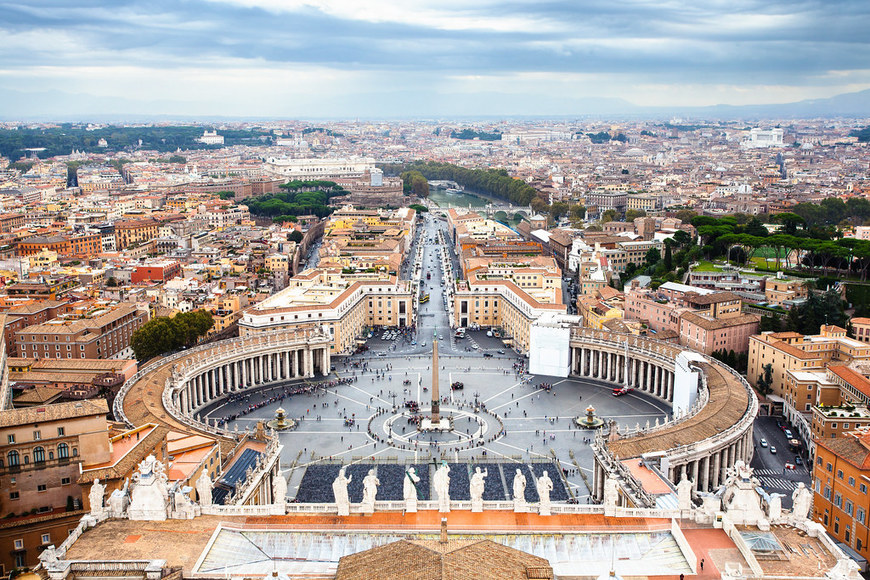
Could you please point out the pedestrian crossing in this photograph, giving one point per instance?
(769, 482)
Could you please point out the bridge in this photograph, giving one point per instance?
(491, 209)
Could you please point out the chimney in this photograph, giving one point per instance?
(443, 530)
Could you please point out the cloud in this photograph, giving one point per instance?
(723, 50)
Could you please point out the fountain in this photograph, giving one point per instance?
(281, 422)
(590, 421)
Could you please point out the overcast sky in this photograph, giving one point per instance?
(349, 58)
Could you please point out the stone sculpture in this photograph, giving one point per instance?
(370, 491)
(520, 492)
(740, 498)
(544, 485)
(409, 490)
(279, 489)
(442, 487)
(684, 493)
(611, 494)
(339, 490)
(150, 491)
(96, 498)
(203, 488)
(478, 483)
(118, 502)
(802, 501)
(774, 506)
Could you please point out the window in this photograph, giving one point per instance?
(38, 455)
(829, 467)
(19, 544)
(849, 507)
(46, 538)
(838, 500)
(13, 495)
(37, 435)
(839, 474)
(41, 487)
(852, 481)
(10, 439)
(13, 459)
(863, 488)
(860, 514)
(62, 451)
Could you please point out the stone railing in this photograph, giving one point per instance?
(744, 549)
(613, 465)
(696, 408)
(264, 466)
(650, 348)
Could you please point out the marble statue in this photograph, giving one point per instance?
(802, 501)
(118, 502)
(279, 489)
(409, 490)
(611, 493)
(684, 493)
(96, 498)
(774, 506)
(740, 498)
(442, 487)
(184, 508)
(478, 483)
(339, 490)
(544, 485)
(150, 491)
(49, 556)
(519, 492)
(370, 491)
(203, 488)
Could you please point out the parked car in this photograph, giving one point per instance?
(487, 355)
(622, 391)
(788, 434)
(763, 442)
(382, 354)
(500, 351)
(798, 460)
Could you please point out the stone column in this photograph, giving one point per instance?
(717, 461)
(695, 474)
(705, 473)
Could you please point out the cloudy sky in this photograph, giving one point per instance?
(380, 58)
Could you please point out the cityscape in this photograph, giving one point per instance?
(318, 290)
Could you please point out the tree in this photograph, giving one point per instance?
(682, 237)
(633, 214)
(669, 259)
(769, 324)
(652, 256)
(765, 380)
(163, 334)
(577, 212)
(608, 216)
(558, 209)
(419, 208)
(178, 159)
(685, 215)
(790, 222)
(294, 236)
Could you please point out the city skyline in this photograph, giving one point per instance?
(305, 58)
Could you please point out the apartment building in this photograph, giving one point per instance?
(793, 352)
(861, 328)
(27, 314)
(130, 232)
(88, 244)
(780, 289)
(841, 476)
(155, 271)
(41, 451)
(103, 332)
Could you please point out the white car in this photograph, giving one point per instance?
(763, 442)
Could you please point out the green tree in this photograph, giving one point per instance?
(652, 256)
(163, 334)
(633, 214)
(685, 215)
(765, 380)
(178, 159)
(419, 208)
(608, 216)
(295, 236)
(577, 212)
(669, 258)
(558, 209)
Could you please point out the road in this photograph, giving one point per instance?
(770, 467)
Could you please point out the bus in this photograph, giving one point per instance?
(424, 299)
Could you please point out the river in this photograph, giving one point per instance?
(464, 200)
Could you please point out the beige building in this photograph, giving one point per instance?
(778, 290)
(344, 303)
(41, 451)
(792, 352)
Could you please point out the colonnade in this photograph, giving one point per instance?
(615, 367)
(231, 375)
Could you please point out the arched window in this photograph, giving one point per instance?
(62, 451)
(75, 452)
(13, 458)
(38, 455)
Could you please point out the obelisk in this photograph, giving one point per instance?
(436, 397)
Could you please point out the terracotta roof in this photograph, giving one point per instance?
(848, 448)
(852, 377)
(718, 323)
(713, 298)
(38, 394)
(55, 412)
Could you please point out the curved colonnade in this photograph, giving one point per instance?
(701, 441)
(173, 390)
